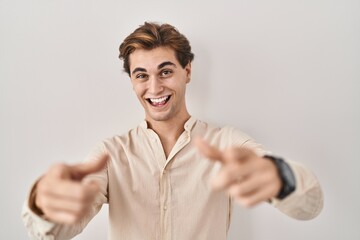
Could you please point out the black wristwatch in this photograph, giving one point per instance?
(286, 175)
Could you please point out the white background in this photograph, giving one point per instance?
(286, 72)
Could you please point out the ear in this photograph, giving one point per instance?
(188, 72)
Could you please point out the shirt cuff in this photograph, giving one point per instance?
(38, 227)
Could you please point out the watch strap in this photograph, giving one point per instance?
(286, 175)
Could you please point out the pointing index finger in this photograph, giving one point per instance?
(79, 171)
(207, 150)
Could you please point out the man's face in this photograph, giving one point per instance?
(159, 82)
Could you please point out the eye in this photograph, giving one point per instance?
(166, 73)
(141, 76)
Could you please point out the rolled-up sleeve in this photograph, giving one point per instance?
(306, 202)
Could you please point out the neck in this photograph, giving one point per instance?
(169, 129)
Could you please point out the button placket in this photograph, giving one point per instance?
(164, 203)
(161, 160)
(165, 184)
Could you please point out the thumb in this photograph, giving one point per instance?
(79, 171)
(207, 150)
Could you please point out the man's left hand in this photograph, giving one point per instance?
(247, 177)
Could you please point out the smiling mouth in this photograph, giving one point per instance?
(161, 101)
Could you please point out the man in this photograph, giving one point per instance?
(155, 177)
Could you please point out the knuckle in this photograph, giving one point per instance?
(232, 153)
(44, 202)
(49, 214)
(58, 170)
(43, 188)
(57, 167)
(82, 195)
(235, 191)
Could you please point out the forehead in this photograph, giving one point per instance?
(151, 59)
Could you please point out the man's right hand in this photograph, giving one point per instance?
(63, 196)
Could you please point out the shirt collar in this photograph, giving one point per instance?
(189, 124)
(143, 124)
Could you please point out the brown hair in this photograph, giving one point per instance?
(153, 35)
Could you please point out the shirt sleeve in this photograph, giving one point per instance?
(306, 202)
(40, 228)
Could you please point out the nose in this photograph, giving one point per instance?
(155, 85)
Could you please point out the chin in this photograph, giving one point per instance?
(161, 116)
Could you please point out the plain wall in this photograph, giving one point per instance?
(285, 72)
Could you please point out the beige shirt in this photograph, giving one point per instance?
(154, 197)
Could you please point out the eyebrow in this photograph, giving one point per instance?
(161, 65)
(138, 69)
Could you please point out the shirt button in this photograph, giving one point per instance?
(165, 208)
(164, 172)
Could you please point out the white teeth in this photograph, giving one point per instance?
(159, 100)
